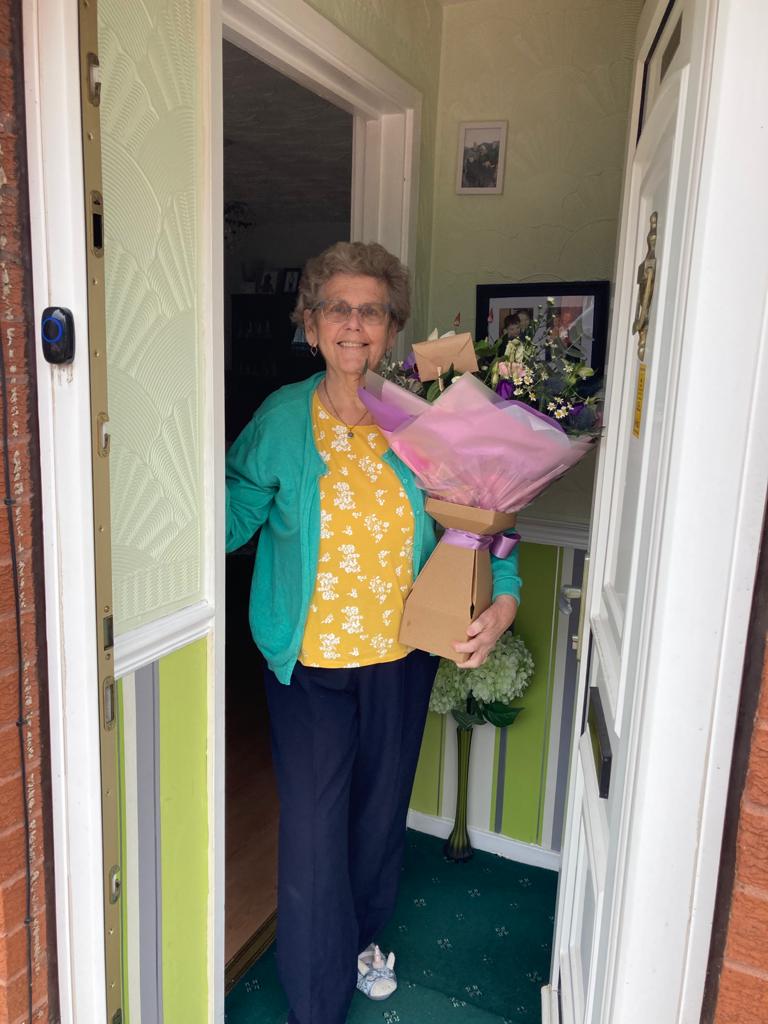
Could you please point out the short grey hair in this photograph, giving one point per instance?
(369, 259)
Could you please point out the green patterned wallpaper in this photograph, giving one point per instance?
(151, 121)
(559, 72)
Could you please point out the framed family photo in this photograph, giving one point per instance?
(578, 315)
(480, 161)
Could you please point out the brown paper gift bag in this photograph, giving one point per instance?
(435, 357)
(455, 585)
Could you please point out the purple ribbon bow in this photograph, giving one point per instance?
(499, 544)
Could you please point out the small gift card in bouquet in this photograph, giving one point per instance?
(436, 356)
(481, 459)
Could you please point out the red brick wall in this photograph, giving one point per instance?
(743, 988)
(27, 954)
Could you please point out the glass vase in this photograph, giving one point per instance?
(457, 845)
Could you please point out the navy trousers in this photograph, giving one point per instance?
(345, 744)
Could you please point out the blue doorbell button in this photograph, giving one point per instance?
(57, 330)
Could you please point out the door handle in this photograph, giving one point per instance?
(646, 279)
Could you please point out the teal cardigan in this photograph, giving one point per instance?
(273, 473)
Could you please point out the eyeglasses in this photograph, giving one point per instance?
(337, 311)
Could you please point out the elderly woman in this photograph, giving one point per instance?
(343, 534)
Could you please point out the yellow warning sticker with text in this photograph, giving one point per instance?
(639, 397)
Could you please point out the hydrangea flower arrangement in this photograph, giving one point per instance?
(478, 695)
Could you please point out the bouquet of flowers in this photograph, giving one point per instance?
(533, 365)
(470, 446)
(483, 445)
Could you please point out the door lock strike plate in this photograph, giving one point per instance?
(115, 884)
(94, 79)
(109, 702)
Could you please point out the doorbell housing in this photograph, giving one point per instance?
(57, 330)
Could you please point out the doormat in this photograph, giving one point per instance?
(473, 944)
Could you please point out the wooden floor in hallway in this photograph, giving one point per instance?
(251, 795)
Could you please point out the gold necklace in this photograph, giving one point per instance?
(349, 426)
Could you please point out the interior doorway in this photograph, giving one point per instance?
(287, 195)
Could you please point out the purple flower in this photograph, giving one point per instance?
(505, 388)
(409, 366)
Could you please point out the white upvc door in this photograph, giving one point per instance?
(674, 542)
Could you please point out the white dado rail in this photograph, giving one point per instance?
(146, 644)
(534, 530)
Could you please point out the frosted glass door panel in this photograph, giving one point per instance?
(151, 128)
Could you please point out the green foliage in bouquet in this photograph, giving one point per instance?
(536, 368)
(478, 695)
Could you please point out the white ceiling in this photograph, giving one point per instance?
(287, 152)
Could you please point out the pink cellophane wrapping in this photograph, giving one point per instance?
(470, 446)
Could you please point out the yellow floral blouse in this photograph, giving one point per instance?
(366, 545)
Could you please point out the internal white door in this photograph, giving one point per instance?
(595, 924)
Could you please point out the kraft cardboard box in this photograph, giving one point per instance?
(455, 585)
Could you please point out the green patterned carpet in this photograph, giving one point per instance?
(472, 942)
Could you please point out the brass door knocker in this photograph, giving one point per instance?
(646, 278)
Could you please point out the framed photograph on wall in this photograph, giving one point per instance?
(291, 279)
(268, 282)
(480, 161)
(579, 315)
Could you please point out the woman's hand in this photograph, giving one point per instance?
(483, 633)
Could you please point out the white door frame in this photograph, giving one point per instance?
(57, 224)
(301, 44)
(710, 521)
(292, 37)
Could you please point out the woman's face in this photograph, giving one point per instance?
(346, 347)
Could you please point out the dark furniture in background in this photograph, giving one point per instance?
(264, 355)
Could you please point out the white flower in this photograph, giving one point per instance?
(343, 499)
(328, 644)
(381, 644)
(383, 557)
(380, 496)
(340, 442)
(380, 588)
(371, 468)
(325, 585)
(325, 522)
(352, 622)
(377, 527)
(350, 559)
